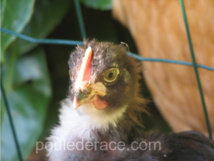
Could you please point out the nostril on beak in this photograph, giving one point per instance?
(81, 96)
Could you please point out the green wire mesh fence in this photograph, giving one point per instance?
(83, 34)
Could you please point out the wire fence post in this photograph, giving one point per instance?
(80, 19)
(196, 69)
(11, 122)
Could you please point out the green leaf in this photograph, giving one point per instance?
(98, 4)
(47, 14)
(3, 2)
(15, 15)
(28, 100)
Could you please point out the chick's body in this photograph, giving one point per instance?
(99, 120)
(116, 75)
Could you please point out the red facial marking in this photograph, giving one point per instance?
(85, 69)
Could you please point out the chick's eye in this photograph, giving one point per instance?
(111, 75)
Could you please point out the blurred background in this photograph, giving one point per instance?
(36, 79)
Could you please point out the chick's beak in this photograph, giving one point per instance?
(84, 90)
(89, 94)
